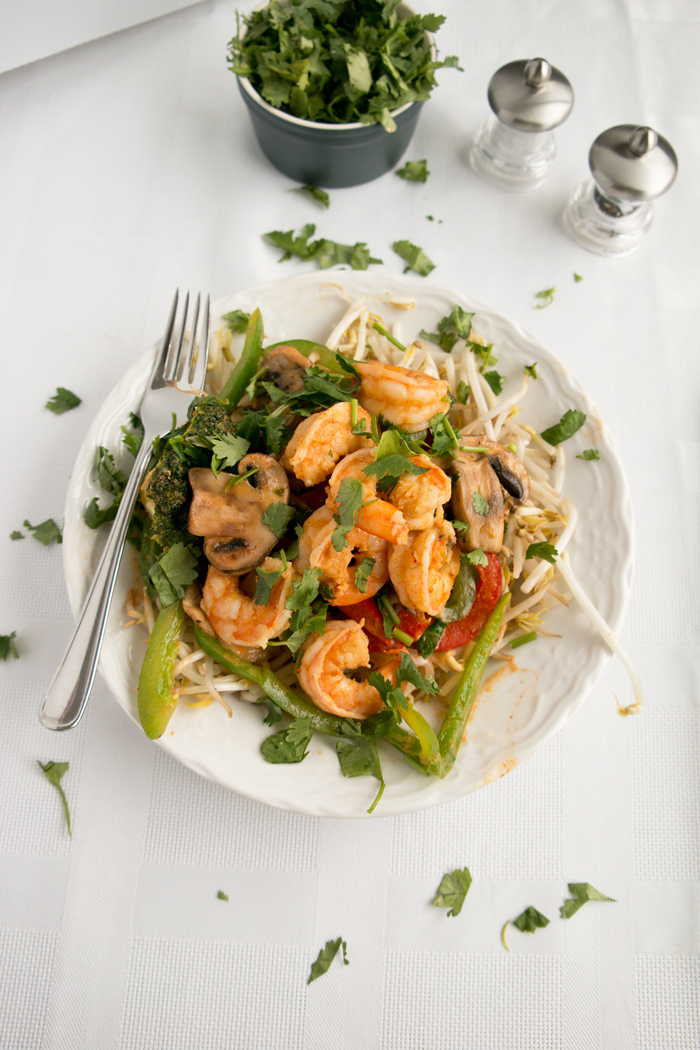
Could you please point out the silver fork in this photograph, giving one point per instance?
(177, 375)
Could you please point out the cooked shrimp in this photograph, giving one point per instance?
(316, 550)
(406, 398)
(321, 440)
(235, 617)
(342, 647)
(375, 516)
(420, 497)
(424, 569)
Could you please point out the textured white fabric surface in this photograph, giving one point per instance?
(129, 167)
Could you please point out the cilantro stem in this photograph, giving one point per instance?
(503, 935)
(523, 639)
(389, 610)
(387, 335)
(402, 636)
(353, 412)
(240, 477)
(453, 437)
(473, 448)
(375, 430)
(379, 795)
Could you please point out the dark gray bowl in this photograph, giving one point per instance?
(329, 155)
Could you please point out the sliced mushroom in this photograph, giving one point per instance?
(487, 474)
(286, 368)
(229, 516)
(476, 478)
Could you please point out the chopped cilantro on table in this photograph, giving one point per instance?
(325, 958)
(570, 422)
(527, 922)
(547, 551)
(581, 892)
(221, 896)
(414, 256)
(54, 772)
(453, 890)
(578, 278)
(414, 171)
(338, 61)
(589, 454)
(47, 532)
(456, 325)
(62, 401)
(289, 745)
(237, 321)
(316, 193)
(8, 647)
(546, 298)
(17, 535)
(323, 252)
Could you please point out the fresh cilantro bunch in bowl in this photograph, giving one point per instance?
(334, 88)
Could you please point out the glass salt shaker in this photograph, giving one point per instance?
(610, 213)
(514, 148)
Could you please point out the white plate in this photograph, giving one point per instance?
(516, 710)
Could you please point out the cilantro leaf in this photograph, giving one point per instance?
(567, 426)
(173, 572)
(392, 458)
(277, 517)
(460, 527)
(317, 193)
(54, 771)
(414, 171)
(589, 454)
(363, 571)
(456, 325)
(453, 890)
(444, 437)
(415, 257)
(348, 502)
(483, 351)
(325, 958)
(16, 535)
(495, 381)
(133, 441)
(479, 504)
(577, 277)
(408, 672)
(308, 610)
(430, 638)
(62, 401)
(463, 392)
(581, 892)
(47, 532)
(360, 758)
(111, 479)
(530, 920)
(288, 746)
(237, 321)
(266, 581)
(323, 252)
(228, 450)
(546, 297)
(8, 647)
(477, 557)
(531, 370)
(221, 896)
(547, 551)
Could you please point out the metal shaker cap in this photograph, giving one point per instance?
(530, 95)
(631, 163)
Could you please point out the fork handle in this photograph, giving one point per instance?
(70, 688)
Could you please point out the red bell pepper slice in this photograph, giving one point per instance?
(488, 591)
(368, 610)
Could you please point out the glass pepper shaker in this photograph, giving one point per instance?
(610, 213)
(514, 148)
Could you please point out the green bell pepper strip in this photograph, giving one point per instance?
(157, 697)
(296, 705)
(326, 357)
(462, 702)
(249, 362)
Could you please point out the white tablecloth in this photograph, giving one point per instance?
(129, 167)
